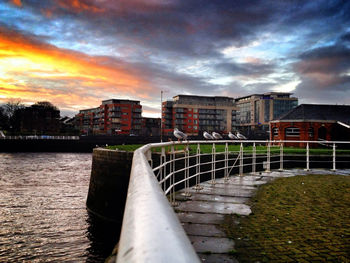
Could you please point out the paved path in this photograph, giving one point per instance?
(204, 210)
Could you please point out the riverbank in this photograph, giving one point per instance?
(83, 144)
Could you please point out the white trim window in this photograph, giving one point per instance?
(275, 131)
(292, 132)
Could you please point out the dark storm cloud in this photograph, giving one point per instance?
(325, 73)
(345, 38)
(247, 69)
(157, 38)
(192, 28)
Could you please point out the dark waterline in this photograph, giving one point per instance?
(43, 214)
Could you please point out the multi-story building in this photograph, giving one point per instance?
(195, 114)
(114, 116)
(254, 112)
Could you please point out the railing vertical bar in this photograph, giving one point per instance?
(268, 157)
(334, 157)
(187, 171)
(163, 169)
(213, 159)
(254, 159)
(226, 162)
(307, 157)
(281, 157)
(149, 158)
(172, 181)
(198, 168)
(241, 160)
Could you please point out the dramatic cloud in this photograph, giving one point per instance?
(325, 72)
(76, 52)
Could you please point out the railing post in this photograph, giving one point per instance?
(241, 160)
(254, 159)
(307, 157)
(172, 178)
(268, 159)
(213, 159)
(334, 164)
(163, 169)
(281, 157)
(187, 172)
(149, 157)
(198, 168)
(226, 162)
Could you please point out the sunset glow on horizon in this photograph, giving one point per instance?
(75, 53)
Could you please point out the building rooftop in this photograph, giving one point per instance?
(120, 101)
(319, 112)
(203, 100)
(268, 94)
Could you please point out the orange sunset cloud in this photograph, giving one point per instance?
(34, 71)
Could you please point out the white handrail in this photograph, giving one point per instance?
(151, 231)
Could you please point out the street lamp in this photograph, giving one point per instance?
(161, 116)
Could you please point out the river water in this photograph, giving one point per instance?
(43, 216)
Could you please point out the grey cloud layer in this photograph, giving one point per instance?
(177, 31)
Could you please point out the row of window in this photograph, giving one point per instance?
(293, 131)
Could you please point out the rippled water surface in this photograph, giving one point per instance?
(43, 214)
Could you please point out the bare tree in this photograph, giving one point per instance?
(12, 106)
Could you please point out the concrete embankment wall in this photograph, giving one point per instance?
(109, 182)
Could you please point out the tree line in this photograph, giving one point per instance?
(40, 118)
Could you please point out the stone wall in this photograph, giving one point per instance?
(109, 182)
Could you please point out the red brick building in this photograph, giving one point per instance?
(313, 122)
(114, 116)
(195, 114)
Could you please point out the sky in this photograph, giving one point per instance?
(76, 53)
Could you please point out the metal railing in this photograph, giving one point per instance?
(39, 137)
(151, 231)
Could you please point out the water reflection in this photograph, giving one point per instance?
(43, 214)
(103, 236)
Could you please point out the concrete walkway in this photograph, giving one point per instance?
(204, 210)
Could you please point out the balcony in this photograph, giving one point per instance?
(114, 115)
(137, 110)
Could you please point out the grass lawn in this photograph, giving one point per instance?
(295, 219)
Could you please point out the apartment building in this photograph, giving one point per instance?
(114, 116)
(195, 114)
(254, 112)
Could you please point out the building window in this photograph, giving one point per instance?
(189, 127)
(189, 115)
(267, 111)
(195, 127)
(195, 110)
(292, 132)
(311, 132)
(195, 116)
(275, 131)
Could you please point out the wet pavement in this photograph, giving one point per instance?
(203, 211)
